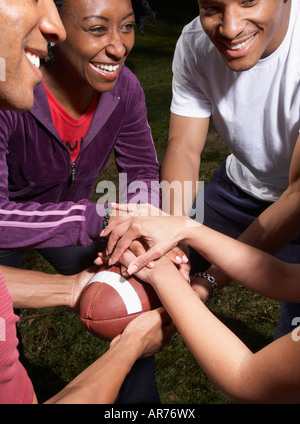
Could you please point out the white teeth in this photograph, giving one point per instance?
(34, 59)
(242, 45)
(108, 68)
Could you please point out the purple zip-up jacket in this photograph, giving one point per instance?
(43, 198)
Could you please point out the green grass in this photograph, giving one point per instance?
(56, 345)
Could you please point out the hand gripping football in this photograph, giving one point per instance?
(110, 301)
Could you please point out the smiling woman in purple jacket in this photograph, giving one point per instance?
(89, 105)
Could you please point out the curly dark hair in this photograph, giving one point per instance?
(141, 9)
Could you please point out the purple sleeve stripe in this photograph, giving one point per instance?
(41, 213)
(40, 224)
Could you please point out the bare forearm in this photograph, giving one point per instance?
(246, 377)
(213, 345)
(101, 381)
(279, 223)
(271, 231)
(255, 269)
(179, 178)
(276, 226)
(187, 137)
(33, 289)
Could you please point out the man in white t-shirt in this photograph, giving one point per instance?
(240, 64)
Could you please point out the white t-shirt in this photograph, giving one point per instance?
(256, 112)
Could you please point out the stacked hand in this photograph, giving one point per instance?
(160, 232)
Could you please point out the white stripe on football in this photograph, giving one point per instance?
(122, 287)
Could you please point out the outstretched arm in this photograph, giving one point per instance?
(101, 381)
(263, 377)
(34, 289)
(253, 268)
(278, 224)
(181, 163)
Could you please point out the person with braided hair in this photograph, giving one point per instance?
(88, 106)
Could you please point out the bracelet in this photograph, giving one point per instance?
(106, 217)
(211, 279)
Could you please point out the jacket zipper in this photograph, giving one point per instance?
(73, 175)
(73, 172)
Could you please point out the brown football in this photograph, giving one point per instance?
(110, 301)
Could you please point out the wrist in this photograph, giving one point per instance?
(220, 277)
(206, 288)
(130, 348)
(188, 230)
(107, 217)
(72, 283)
(212, 283)
(162, 272)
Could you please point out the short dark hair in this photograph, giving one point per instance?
(141, 9)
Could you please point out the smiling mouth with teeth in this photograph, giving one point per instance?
(33, 58)
(106, 68)
(242, 45)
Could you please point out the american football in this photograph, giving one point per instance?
(110, 301)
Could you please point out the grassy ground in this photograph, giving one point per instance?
(56, 345)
